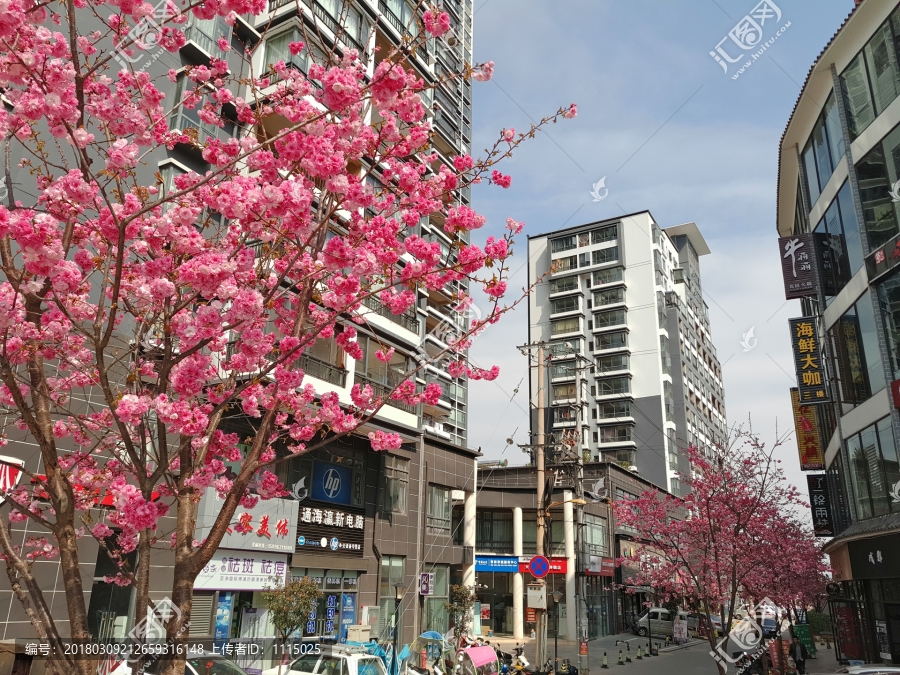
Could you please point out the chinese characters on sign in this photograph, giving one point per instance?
(809, 438)
(326, 530)
(271, 525)
(834, 265)
(883, 259)
(808, 360)
(332, 518)
(241, 571)
(798, 266)
(819, 503)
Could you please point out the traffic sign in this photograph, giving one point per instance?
(539, 566)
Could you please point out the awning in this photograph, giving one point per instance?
(481, 655)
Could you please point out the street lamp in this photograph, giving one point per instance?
(399, 590)
(557, 596)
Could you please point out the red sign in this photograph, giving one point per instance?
(530, 615)
(582, 648)
(10, 473)
(555, 565)
(895, 393)
(601, 567)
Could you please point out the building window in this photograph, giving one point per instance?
(613, 362)
(605, 255)
(595, 529)
(563, 244)
(564, 284)
(845, 249)
(874, 469)
(187, 120)
(439, 507)
(614, 340)
(614, 409)
(569, 304)
(610, 233)
(609, 296)
(607, 276)
(613, 385)
(393, 572)
(615, 317)
(877, 173)
(109, 603)
(435, 616)
(562, 369)
(396, 484)
(859, 358)
(823, 151)
(674, 485)
(615, 434)
(563, 415)
(564, 264)
(494, 531)
(563, 392)
(558, 349)
(374, 369)
(572, 325)
(858, 98)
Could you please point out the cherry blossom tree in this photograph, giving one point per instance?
(733, 539)
(138, 315)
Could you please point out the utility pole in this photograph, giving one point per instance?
(540, 614)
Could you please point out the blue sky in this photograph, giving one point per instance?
(673, 134)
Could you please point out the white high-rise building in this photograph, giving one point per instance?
(631, 364)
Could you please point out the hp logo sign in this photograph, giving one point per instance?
(331, 483)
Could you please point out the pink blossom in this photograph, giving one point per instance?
(484, 72)
(571, 111)
(514, 226)
(500, 179)
(436, 23)
(384, 441)
(508, 134)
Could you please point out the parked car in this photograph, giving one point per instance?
(695, 619)
(871, 669)
(332, 660)
(658, 621)
(198, 664)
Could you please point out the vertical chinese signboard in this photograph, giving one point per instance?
(808, 432)
(819, 503)
(798, 265)
(808, 361)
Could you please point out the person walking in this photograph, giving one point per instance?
(799, 653)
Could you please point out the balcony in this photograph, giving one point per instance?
(383, 391)
(323, 371)
(407, 320)
(200, 131)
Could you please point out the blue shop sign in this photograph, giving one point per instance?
(331, 483)
(496, 563)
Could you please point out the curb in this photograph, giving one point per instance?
(675, 648)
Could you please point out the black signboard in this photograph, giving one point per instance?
(875, 558)
(329, 531)
(798, 265)
(833, 262)
(883, 259)
(820, 504)
(808, 361)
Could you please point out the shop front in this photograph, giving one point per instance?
(599, 596)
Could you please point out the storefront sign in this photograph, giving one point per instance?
(875, 558)
(496, 563)
(485, 612)
(271, 525)
(10, 473)
(426, 583)
(330, 531)
(881, 633)
(599, 566)
(554, 566)
(348, 614)
(808, 360)
(809, 436)
(820, 504)
(884, 259)
(332, 483)
(798, 267)
(241, 571)
(559, 565)
(834, 264)
(223, 618)
(530, 615)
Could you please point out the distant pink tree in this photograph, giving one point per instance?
(136, 314)
(732, 539)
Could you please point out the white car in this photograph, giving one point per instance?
(332, 660)
(197, 664)
(871, 669)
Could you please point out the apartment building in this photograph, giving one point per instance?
(372, 511)
(838, 183)
(631, 371)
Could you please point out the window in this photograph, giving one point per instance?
(615, 340)
(609, 297)
(878, 171)
(595, 535)
(405, 14)
(605, 255)
(376, 370)
(439, 507)
(396, 484)
(607, 276)
(843, 249)
(572, 346)
(855, 86)
(874, 470)
(564, 415)
(572, 325)
(109, 603)
(393, 572)
(435, 616)
(494, 531)
(615, 317)
(614, 409)
(664, 354)
(564, 284)
(562, 369)
(187, 120)
(562, 392)
(613, 385)
(563, 244)
(615, 434)
(564, 264)
(605, 234)
(614, 362)
(559, 305)
(881, 62)
(859, 359)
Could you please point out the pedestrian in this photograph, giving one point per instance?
(799, 653)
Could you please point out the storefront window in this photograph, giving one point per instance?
(435, 615)
(889, 299)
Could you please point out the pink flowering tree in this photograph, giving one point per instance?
(136, 315)
(730, 541)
